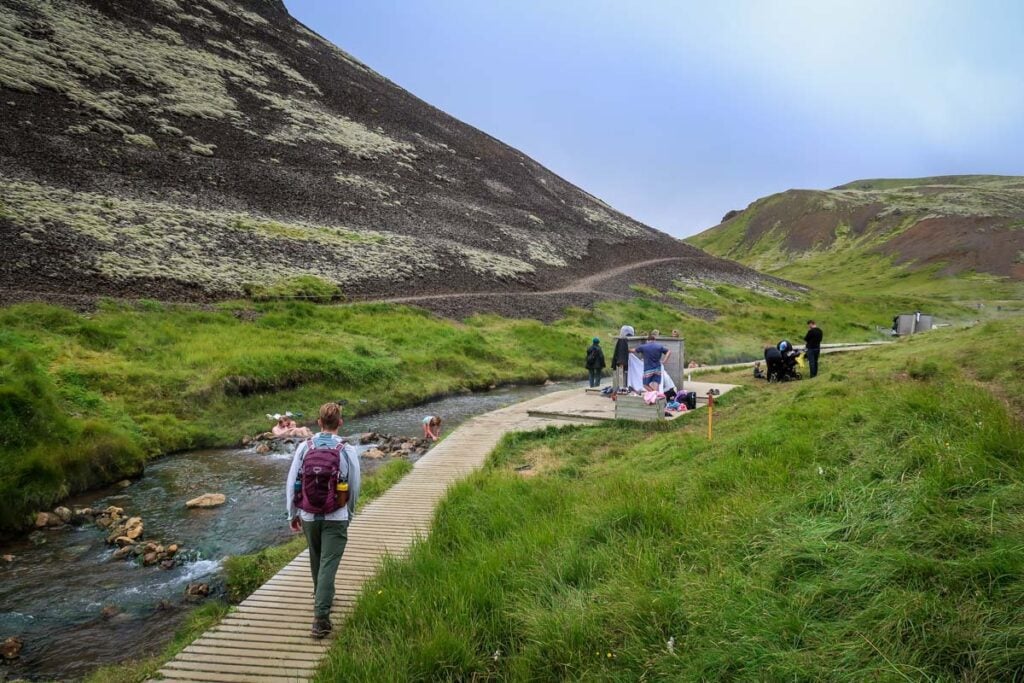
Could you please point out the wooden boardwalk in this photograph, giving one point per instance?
(266, 638)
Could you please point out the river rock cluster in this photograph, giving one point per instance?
(384, 445)
(389, 445)
(266, 443)
(122, 531)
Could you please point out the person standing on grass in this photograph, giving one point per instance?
(321, 494)
(654, 355)
(813, 346)
(620, 358)
(595, 362)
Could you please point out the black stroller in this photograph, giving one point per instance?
(782, 362)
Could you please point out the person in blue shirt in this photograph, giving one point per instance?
(654, 355)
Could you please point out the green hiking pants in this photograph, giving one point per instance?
(326, 544)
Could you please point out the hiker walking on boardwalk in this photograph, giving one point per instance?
(620, 358)
(321, 493)
(813, 346)
(595, 362)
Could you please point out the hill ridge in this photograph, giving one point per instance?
(950, 226)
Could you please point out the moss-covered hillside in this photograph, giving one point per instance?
(180, 149)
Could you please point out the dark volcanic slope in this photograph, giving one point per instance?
(961, 223)
(183, 148)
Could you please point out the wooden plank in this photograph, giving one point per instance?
(209, 677)
(261, 640)
(287, 673)
(234, 635)
(222, 645)
(310, 655)
(267, 660)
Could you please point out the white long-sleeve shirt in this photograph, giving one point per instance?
(341, 514)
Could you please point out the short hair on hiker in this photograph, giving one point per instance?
(330, 416)
(652, 337)
(810, 322)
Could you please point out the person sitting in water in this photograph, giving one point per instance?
(286, 428)
(432, 427)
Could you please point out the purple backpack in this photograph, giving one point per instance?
(321, 477)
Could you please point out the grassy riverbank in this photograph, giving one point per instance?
(863, 525)
(86, 399)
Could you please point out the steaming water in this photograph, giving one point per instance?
(52, 594)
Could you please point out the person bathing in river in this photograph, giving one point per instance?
(432, 427)
(321, 493)
(286, 428)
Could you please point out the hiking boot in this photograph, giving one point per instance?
(321, 627)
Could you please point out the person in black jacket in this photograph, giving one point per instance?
(813, 348)
(774, 367)
(595, 362)
(620, 358)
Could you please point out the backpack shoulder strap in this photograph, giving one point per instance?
(308, 443)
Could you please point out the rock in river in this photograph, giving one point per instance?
(11, 648)
(207, 500)
(197, 590)
(45, 519)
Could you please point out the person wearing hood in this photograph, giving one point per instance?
(620, 357)
(595, 362)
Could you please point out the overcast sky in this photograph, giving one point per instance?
(676, 112)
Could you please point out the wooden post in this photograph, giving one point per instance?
(711, 410)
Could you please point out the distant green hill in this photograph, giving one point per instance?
(957, 237)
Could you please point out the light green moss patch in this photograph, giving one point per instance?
(606, 222)
(201, 149)
(382, 190)
(238, 12)
(218, 250)
(491, 263)
(140, 140)
(309, 122)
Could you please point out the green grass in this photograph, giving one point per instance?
(129, 671)
(127, 383)
(243, 574)
(86, 399)
(861, 526)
